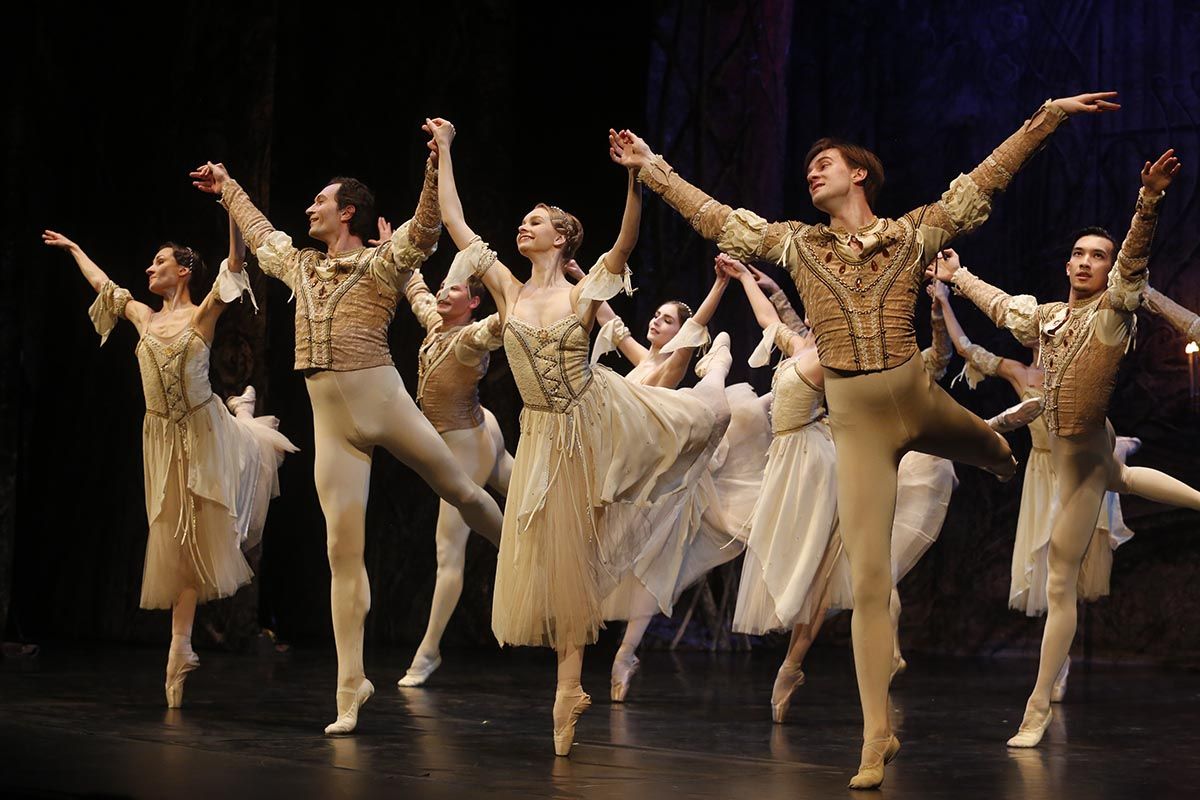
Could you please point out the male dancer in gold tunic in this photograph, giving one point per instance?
(345, 298)
(1080, 345)
(859, 278)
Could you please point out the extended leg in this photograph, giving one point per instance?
(642, 608)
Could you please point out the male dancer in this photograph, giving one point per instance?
(859, 277)
(451, 362)
(1081, 343)
(345, 298)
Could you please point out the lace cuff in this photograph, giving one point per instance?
(108, 308)
(611, 334)
(966, 204)
(980, 363)
(690, 334)
(774, 335)
(229, 286)
(600, 284)
(474, 260)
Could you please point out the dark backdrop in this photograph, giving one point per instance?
(105, 116)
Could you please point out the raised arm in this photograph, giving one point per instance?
(740, 233)
(968, 201)
(230, 284)
(405, 250)
(763, 308)
(423, 302)
(631, 220)
(475, 257)
(112, 302)
(1127, 280)
(783, 306)
(276, 255)
(1016, 313)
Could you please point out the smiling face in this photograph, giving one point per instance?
(165, 273)
(324, 217)
(1087, 269)
(830, 178)
(455, 302)
(664, 325)
(536, 234)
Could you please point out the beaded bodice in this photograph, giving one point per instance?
(796, 402)
(549, 364)
(174, 374)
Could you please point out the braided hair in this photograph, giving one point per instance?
(568, 225)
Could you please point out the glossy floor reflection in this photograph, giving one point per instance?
(80, 722)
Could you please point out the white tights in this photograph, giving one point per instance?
(352, 413)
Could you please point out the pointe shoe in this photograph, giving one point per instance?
(248, 398)
(787, 680)
(185, 663)
(347, 721)
(1030, 734)
(898, 667)
(564, 735)
(1017, 416)
(622, 672)
(416, 676)
(875, 754)
(717, 353)
(1059, 690)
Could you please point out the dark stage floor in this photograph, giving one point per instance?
(90, 722)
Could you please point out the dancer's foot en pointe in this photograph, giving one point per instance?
(1032, 729)
(354, 699)
(717, 355)
(898, 666)
(179, 663)
(1059, 690)
(875, 754)
(568, 706)
(420, 670)
(789, 678)
(246, 401)
(625, 665)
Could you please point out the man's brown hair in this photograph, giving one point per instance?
(857, 157)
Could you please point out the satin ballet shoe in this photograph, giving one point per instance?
(185, 662)
(416, 676)
(564, 734)
(787, 680)
(1017, 416)
(898, 667)
(347, 721)
(622, 671)
(875, 754)
(1059, 690)
(717, 353)
(248, 399)
(1030, 734)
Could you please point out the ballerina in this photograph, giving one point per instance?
(702, 527)
(589, 438)
(210, 470)
(859, 278)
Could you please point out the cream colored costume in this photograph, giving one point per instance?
(1031, 547)
(1080, 347)
(209, 475)
(344, 303)
(589, 438)
(697, 529)
(859, 290)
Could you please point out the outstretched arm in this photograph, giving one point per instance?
(1016, 313)
(775, 331)
(113, 302)
(474, 258)
(740, 233)
(405, 249)
(276, 255)
(783, 306)
(1127, 280)
(423, 302)
(231, 282)
(1180, 318)
(613, 333)
(968, 201)
(937, 356)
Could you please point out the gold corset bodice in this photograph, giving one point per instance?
(796, 402)
(549, 364)
(174, 374)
